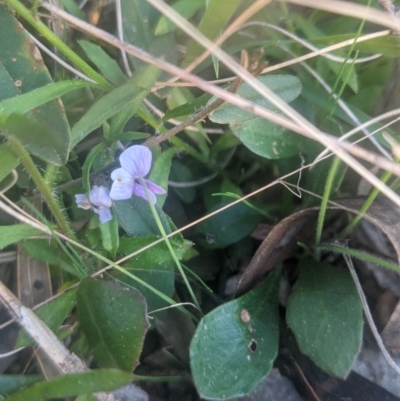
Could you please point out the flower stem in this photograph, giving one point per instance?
(45, 190)
(169, 246)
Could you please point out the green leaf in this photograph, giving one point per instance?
(11, 383)
(160, 172)
(108, 67)
(228, 226)
(52, 314)
(325, 315)
(287, 87)
(136, 18)
(8, 161)
(127, 95)
(135, 217)
(217, 15)
(73, 385)
(8, 88)
(235, 344)
(188, 108)
(25, 70)
(37, 97)
(155, 266)
(144, 77)
(48, 252)
(266, 139)
(24, 128)
(17, 232)
(185, 8)
(114, 321)
(130, 136)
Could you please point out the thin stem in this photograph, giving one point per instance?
(50, 175)
(371, 197)
(325, 199)
(58, 43)
(202, 113)
(168, 243)
(45, 190)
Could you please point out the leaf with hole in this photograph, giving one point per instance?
(325, 314)
(235, 344)
(114, 320)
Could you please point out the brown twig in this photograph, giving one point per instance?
(202, 113)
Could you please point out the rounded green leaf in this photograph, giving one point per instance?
(287, 87)
(227, 227)
(266, 139)
(325, 315)
(114, 321)
(235, 345)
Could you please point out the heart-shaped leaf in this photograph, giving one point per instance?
(229, 226)
(114, 321)
(325, 314)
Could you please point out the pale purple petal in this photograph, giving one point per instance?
(100, 196)
(82, 201)
(152, 187)
(136, 160)
(122, 186)
(104, 214)
(139, 190)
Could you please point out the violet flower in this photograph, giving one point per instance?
(99, 200)
(135, 165)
